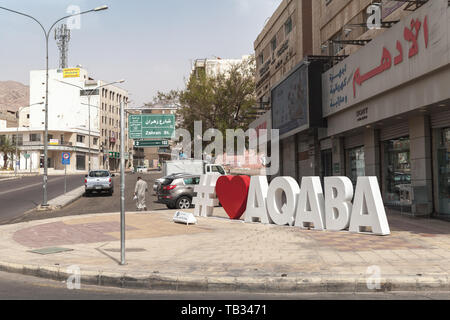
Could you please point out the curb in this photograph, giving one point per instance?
(307, 284)
(63, 200)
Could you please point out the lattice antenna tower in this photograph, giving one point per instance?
(62, 37)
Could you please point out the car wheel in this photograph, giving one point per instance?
(170, 206)
(183, 203)
(87, 193)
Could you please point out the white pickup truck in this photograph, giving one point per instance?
(98, 181)
(195, 167)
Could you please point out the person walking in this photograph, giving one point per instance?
(139, 194)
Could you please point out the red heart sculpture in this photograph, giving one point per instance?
(232, 192)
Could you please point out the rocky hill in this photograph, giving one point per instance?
(13, 95)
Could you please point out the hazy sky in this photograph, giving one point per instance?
(150, 43)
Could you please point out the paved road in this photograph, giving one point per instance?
(21, 195)
(101, 203)
(13, 286)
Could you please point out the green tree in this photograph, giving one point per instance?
(7, 148)
(221, 102)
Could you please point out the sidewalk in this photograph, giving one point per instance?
(220, 254)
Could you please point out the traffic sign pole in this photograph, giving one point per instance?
(65, 159)
(65, 178)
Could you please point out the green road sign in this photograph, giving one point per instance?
(154, 126)
(150, 143)
(114, 155)
(27, 155)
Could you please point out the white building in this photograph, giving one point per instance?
(214, 67)
(79, 112)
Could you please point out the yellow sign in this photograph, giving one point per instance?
(71, 73)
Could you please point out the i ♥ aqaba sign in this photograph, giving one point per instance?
(283, 202)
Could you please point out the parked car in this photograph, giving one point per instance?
(177, 191)
(99, 181)
(158, 182)
(141, 169)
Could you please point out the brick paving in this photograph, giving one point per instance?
(221, 247)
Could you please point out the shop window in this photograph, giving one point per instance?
(326, 157)
(397, 173)
(355, 164)
(444, 171)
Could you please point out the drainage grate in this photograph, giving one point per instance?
(52, 250)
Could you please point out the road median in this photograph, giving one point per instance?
(63, 200)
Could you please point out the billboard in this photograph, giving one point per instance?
(290, 101)
(71, 73)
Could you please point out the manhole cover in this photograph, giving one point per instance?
(50, 250)
(127, 250)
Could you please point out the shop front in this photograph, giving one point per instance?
(440, 123)
(388, 112)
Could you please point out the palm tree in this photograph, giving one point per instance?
(7, 148)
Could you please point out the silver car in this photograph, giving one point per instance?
(177, 191)
(99, 181)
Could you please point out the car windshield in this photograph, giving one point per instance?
(99, 174)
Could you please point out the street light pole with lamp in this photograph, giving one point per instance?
(89, 108)
(17, 131)
(47, 36)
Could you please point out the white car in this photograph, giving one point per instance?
(141, 169)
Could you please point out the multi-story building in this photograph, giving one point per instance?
(385, 105)
(8, 119)
(284, 41)
(83, 119)
(110, 98)
(214, 67)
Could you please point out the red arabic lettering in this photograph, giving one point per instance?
(398, 59)
(386, 63)
(410, 36)
(425, 31)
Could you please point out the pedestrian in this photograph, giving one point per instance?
(139, 194)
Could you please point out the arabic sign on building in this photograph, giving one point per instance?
(415, 46)
(71, 73)
(155, 126)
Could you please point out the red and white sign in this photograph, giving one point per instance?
(412, 48)
(306, 207)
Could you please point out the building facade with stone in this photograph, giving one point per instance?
(83, 120)
(385, 102)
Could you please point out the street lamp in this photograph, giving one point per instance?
(89, 109)
(17, 132)
(47, 36)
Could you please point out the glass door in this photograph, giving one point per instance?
(397, 173)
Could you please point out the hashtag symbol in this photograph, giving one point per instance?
(205, 199)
